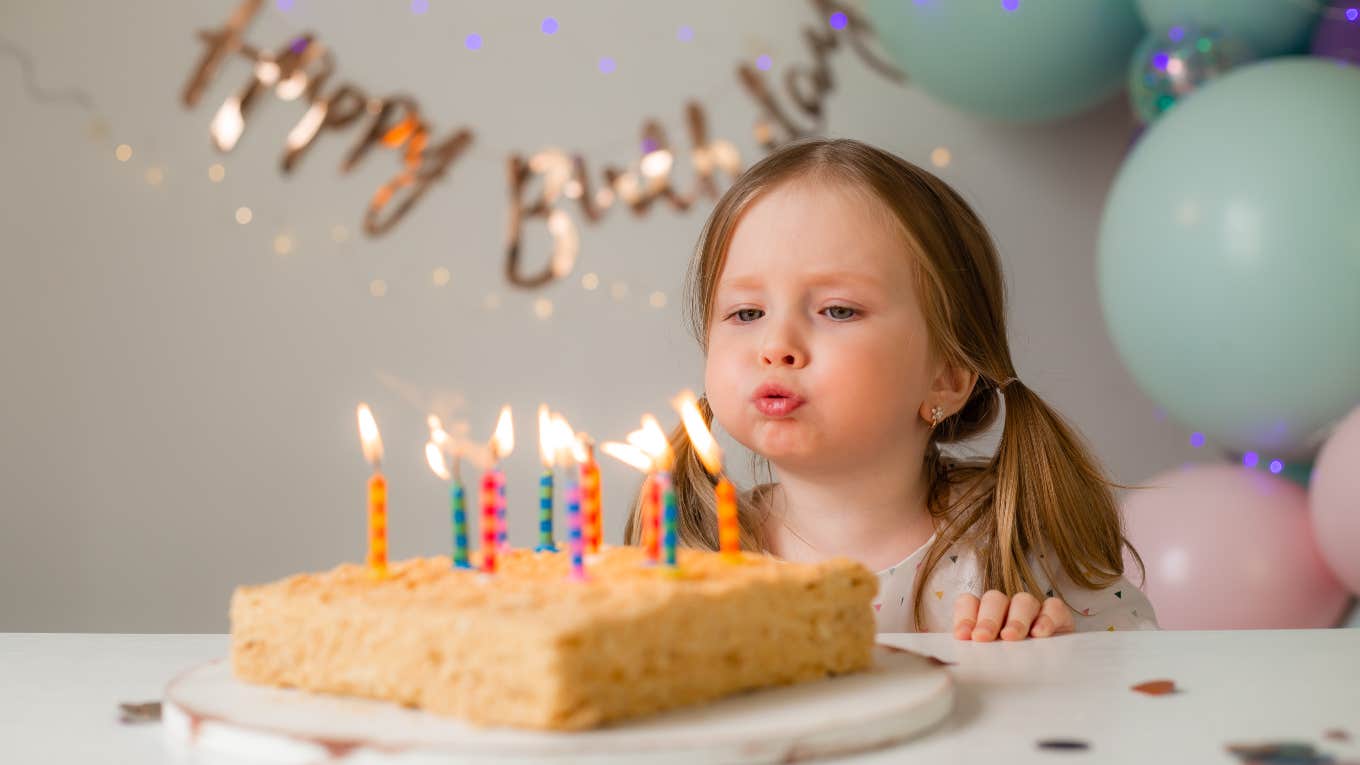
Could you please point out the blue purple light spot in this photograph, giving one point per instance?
(1276, 466)
(1250, 459)
(298, 45)
(1176, 34)
(420, 6)
(1197, 440)
(606, 64)
(1160, 59)
(685, 34)
(763, 63)
(284, 5)
(473, 41)
(838, 20)
(1010, 6)
(1352, 14)
(649, 146)
(549, 26)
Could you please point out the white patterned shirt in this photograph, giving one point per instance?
(1121, 606)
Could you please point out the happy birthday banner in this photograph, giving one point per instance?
(303, 69)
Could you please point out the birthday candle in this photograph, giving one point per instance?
(635, 457)
(434, 455)
(592, 515)
(493, 491)
(573, 453)
(377, 493)
(546, 447)
(651, 518)
(489, 521)
(503, 442)
(729, 529)
(652, 439)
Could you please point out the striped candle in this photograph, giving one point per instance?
(668, 516)
(651, 515)
(502, 526)
(574, 540)
(377, 525)
(489, 521)
(729, 532)
(460, 529)
(545, 512)
(590, 504)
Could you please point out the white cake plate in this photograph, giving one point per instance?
(210, 717)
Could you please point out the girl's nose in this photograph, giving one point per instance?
(782, 354)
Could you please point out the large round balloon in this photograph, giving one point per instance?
(1170, 65)
(1014, 60)
(1334, 497)
(1271, 27)
(1229, 263)
(1227, 547)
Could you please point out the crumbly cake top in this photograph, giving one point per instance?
(538, 586)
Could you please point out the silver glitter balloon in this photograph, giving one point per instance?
(1168, 66)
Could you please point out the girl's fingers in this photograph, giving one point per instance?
(1024, 607)
(1055, 618)
(990, 615)
(965, 615)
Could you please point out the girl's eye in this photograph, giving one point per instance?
(840, 313)
(746, 315)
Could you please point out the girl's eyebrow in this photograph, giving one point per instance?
(819, 279)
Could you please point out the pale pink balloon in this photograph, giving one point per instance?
(1227, 547)
(1334, 498)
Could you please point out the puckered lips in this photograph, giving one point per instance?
(775, 400)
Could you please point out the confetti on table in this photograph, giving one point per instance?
(1156, 687)
(1069, 744)
(1280, 753)
(145, 712)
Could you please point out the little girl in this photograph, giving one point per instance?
(851, 309)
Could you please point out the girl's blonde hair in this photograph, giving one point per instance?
(1042, 484)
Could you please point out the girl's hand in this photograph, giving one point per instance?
(1021, 615)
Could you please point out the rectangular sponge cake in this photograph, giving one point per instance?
(529, 647)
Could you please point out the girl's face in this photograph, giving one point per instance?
(818, 355)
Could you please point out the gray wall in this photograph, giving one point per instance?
(178, 399)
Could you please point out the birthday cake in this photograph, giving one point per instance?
(530, 647)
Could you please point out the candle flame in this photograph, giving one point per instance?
(568, 446)
(503, 442)
(368, 436)
(627, 454)
(437, 433)
(547, 437)
(709, 451)
(652, 439)
(435, 456)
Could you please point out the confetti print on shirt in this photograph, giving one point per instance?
(878, 606)
(953, 559)
(1119, 594)
(939, 594)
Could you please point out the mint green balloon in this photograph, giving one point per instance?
(1229, 256)
(1270, 27)
(1011, 60)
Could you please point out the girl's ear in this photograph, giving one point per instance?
(949, 390)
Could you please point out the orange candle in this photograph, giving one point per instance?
(729, 530)
(649, 513)
(377, 493)
(590, 502)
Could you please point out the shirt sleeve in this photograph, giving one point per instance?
(1120, 606)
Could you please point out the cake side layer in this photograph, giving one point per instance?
(530, 648)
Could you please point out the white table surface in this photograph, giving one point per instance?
(59, 695)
